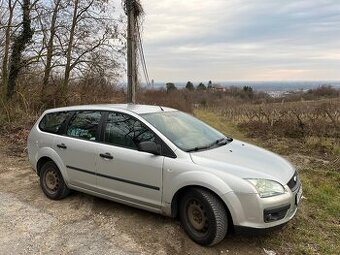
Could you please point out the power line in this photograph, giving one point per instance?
(142, 57)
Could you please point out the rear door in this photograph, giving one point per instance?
(78, 148)
(123, 172)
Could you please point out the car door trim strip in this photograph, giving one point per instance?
(115, 178)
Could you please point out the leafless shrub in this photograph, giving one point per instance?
(179, 99)
(28, 104)
(294, 119)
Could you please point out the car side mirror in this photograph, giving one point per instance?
(150, 147)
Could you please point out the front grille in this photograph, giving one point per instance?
(294, 182)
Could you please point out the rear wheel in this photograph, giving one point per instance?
(203, 217)
(52, 182)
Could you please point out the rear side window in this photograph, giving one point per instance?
(52, 122)
(84, 125)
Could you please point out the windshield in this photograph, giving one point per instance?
(185, 131)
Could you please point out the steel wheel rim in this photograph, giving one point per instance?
(52, 181)
(197, 216)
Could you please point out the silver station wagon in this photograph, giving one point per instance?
(164, 161)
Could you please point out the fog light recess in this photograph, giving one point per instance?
(275, 214)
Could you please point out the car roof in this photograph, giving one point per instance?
(135, 108)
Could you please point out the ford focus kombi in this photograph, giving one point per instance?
(164, 161)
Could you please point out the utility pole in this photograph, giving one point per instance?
(131, 9)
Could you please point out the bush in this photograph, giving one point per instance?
(323, 91)
(178, 99)
(170, 87)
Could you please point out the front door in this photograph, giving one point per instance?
(123, 172)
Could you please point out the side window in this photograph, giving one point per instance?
(52, 122)
(84, 125)
(126, 131)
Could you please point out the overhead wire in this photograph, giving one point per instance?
(142, 56)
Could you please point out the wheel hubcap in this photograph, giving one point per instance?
(197, 216)
(52, 180)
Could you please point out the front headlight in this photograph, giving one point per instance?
(267, 188)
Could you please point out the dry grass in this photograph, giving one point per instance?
(305, 125)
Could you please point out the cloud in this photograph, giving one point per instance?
(242, 39)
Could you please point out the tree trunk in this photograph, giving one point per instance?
(18, 47)
(50, 47)
(7, 44)
(64, 88)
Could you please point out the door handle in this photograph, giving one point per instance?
(106, 155)
(62, 146)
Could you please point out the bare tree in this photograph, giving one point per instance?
(68, 68)
(72, 39)
(50, 45)
(18, 47)
(8, 32)
(89, 40)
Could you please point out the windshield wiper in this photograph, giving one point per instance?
(198, 148)
(224, 140)
(219, 142)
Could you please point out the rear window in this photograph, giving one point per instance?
(52, 122)
(84, 125)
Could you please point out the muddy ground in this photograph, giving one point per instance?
(30, 223)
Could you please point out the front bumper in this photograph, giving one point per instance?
(251, 211)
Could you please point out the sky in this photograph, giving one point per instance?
(231, 40)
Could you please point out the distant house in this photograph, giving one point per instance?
(218, 87)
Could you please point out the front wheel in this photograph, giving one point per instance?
(203, 216)
(52, 182)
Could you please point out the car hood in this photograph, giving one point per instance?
(245, 161)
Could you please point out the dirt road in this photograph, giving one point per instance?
(81, 224)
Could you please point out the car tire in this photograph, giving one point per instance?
(52, 182)
(203, 216)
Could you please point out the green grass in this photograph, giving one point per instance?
(316, 227)
(323, 144)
